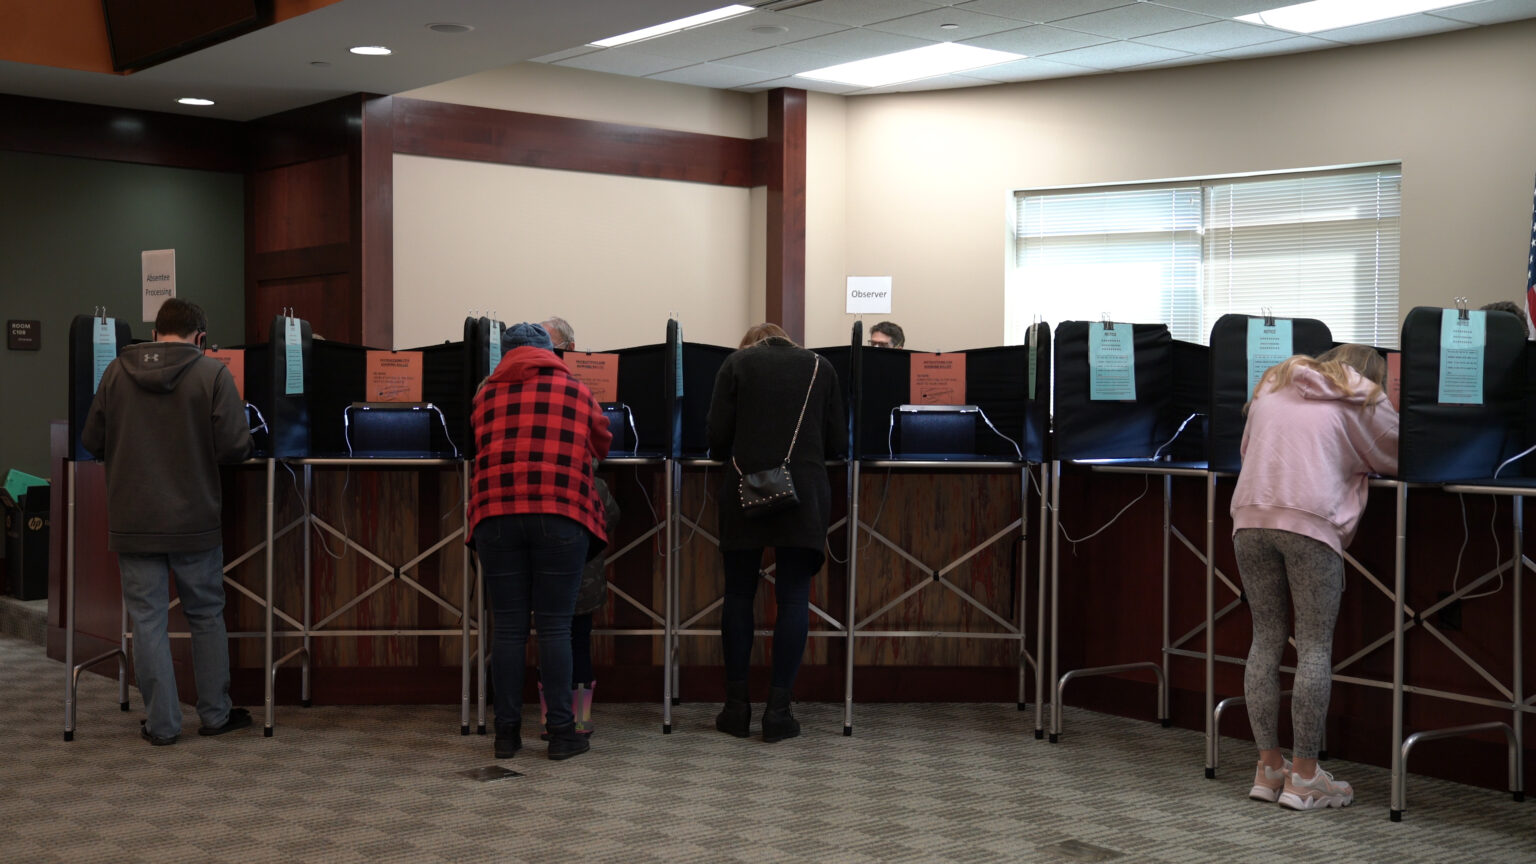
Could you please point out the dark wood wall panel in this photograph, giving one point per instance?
(372, 155)
(120, 134)
(541, 141)
(323, 301)
(785, 166)
(299, 206)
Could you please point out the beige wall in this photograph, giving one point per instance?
(929, 175)
(918, 186)
(616, 256)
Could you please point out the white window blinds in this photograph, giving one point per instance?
(1321, 245)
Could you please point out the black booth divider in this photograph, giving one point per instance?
(1444, 443)
(1229, 390)
(1171, 388)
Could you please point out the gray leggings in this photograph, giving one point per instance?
(1274, 563)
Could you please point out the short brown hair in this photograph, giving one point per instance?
(178, 317)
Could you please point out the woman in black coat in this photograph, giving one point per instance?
(752, 417)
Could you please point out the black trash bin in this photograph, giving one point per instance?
(26, 543)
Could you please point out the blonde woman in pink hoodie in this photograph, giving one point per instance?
(1317, 429)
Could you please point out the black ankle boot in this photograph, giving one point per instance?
(778, 723)
(509, 740)
(565, 742)
(736, 717)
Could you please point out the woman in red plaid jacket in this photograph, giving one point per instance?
(534, 520)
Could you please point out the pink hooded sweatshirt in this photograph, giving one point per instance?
(1307, 452)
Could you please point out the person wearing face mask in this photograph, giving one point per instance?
(164, 419)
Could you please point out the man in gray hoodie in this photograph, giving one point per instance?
(163, 419)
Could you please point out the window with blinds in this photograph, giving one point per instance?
(1318, 245)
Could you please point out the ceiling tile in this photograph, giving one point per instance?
(802, 83)
(734, 36)
(1224, 8)
(1039, 11)
(783, 60)
(857, 13)
(566, 54)
(1396, 28)
(1491, 12)
(1117, 55)
(1037, 40)
(1212, 37)
(860, 43)
(938, 82)
(623, 60)
(1127, 22)
(713, 75)
(968, 25)
(1029, 70)
(1280, 46)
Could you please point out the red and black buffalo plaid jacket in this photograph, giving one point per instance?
(537, 430)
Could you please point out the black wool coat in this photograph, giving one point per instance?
(752, 414)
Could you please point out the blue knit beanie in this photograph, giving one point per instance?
(522, 334)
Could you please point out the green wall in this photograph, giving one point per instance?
(71, 231)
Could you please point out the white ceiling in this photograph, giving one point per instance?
(276, 68)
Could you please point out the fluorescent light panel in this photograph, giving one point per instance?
(673, 26)
(943, 58)
(1332, 14)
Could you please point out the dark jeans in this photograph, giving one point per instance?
(792, 590)
(532, 565)
(581, 650)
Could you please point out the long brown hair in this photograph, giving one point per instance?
(758, 333)
(1331, 364)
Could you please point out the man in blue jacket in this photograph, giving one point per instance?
(163, 419)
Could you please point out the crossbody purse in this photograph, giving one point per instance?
(770, 491)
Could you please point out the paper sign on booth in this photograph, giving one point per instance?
(1463, 343)
(938, 379)
(600, 372)
(1111, 362)
(394, 376)
(1395, 379)
(233, 360)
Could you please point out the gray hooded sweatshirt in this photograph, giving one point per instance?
(163, 419)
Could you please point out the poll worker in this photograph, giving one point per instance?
(887, 334)
(1513, 309)
(593, 593)
(164, 418)
(1316, 431)
(768, 408)
(534, 520)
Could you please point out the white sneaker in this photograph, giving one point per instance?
(1316, 792)
(1267, 782)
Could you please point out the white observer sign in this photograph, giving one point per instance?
(159, 279)
(869, 295)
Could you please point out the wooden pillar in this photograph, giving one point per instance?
(785, 166)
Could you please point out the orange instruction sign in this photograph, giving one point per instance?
(233, 360)
(600, 372)
(394, 376)
(938, 379)
(1395, 379)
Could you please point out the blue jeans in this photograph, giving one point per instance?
(146, 596)
(532, 564)
(795, 569)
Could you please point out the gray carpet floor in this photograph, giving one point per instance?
(916, 782)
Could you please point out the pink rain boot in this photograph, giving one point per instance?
(581, 706)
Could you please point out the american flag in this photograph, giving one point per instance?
(1530, 269)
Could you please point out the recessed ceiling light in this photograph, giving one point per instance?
(193, 100)
(926, 62)
(949, 26)
(673, 26)
(371, 50)
(320, 64)
(769, 29)
(450, 28)
(1321, 15)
